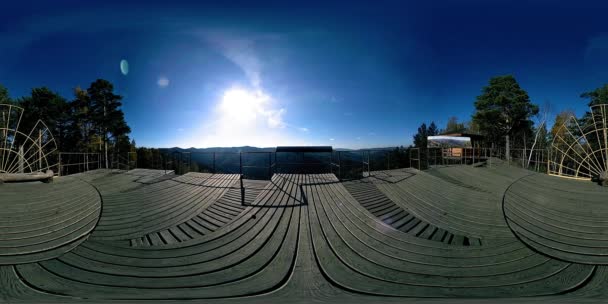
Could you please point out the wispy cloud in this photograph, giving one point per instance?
(241, 49)
(275, 118)
(252, 116)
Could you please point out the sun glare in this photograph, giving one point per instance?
(242, 105)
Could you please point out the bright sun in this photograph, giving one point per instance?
(241, 105)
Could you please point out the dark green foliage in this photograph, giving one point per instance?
(503, 109)
(453, 126)
(597, 96)
(82, 125)
(48, 106)
(399, 158)
(419, 157)
(420, 138)
(83, 117)
(105, 110)
(433, 130)
(4, 97)
(150, 158)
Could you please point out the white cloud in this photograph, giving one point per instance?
(303, 129)
(244, 117)
(240, 50)
(275, 118)
(331, 139)
(162, 82)
(358, 137)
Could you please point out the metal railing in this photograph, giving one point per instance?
(76, 162)
(250, 164)
(263, 164)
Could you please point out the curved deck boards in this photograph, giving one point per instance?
(360, 256)
(370, 197)
(160, 206)
(109, 181)
(462, 211)
(246, 257)
(311, 238)
(218, 214)
(42, 221)
(561, 218)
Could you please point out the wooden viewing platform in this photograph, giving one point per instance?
(450, 232)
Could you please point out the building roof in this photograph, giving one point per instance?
(463, 134)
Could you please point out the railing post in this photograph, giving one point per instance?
(369, 163)
(340, 165)
(463, 154)
(473, 154)
(59, 165)
(410, 156)
(241, 163)
(269, 165)
(242, 191)
(39, 150)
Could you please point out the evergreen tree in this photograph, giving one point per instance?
(433, 130)
(83, 120)
(503, 109)
(597, 96)
(4, 96)
(106, 113)
(48, 106)
(453, 126)
(420, 138)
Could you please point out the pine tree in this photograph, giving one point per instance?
(106, 113)
(503, 109)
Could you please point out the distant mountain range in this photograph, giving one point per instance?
(253, 149)
(260, 165)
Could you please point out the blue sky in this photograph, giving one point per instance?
(349, 74)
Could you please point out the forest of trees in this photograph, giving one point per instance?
(89, 121)
(508, 119)
(92, 121)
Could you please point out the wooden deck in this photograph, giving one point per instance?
(370, 197)
(39, 221)
(395, 236)
(569, 223)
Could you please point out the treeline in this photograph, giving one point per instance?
(89, 121)
(507, 118)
